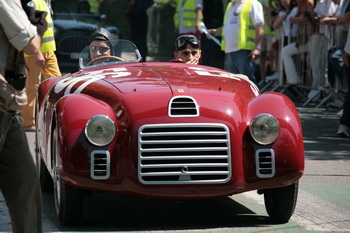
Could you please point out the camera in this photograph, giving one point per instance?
(34, 16)
(18, 81)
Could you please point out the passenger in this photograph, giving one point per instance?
(187, 49)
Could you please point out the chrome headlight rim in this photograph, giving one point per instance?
(111, 132)
(271, 123)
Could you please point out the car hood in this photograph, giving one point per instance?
(177, 78)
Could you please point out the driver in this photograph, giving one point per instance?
(100, 45)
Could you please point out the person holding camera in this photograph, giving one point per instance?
(19, 181)
(42, 19)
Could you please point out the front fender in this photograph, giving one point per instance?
(72, 113)
(289, 146)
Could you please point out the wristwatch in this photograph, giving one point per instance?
(257, 47)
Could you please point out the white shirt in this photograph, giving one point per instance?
(325, 8)
(289, 29)
(183, 29)
(232, 25)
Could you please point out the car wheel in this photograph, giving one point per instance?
(44, 175)
(280, 202)
(68, 200)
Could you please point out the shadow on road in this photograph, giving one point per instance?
(111, 212)
(320, 139)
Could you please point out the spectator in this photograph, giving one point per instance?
(188, 16)
(138, 20)
(33, 72)
(95, 6)
(267, 59)
(303, 15)
(19, 180)
(242, 44)
(342, 17)
(187, 49)
(289, 31)
(344, 126)
(83, 7)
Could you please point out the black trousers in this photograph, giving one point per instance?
(345, 118)
(138, 32)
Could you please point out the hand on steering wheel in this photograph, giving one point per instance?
(100, 59)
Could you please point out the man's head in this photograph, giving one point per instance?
(187, 49)
(99, 43)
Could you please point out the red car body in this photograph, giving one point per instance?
(182, 132)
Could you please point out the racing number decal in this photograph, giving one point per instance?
(88, 78)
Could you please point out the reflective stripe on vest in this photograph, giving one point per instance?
(247, 33)
(48, 40)
(189, 17)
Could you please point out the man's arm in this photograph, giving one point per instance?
(33, 48)
(259, 33)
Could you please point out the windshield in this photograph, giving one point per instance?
(100, 53)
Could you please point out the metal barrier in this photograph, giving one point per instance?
(310, 58)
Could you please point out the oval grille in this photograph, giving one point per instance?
(183, 106)
(184, 154)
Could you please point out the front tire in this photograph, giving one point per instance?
(280, 202)
(68, 200)
(44, 175)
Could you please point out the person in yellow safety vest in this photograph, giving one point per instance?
(95, 5)
(242, 31)
(33, 71)
(188, 16)
(267, 58)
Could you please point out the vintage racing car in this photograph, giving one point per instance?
(164, 130)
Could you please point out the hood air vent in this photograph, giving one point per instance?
(183, 106)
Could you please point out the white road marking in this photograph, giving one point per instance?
(314, 213)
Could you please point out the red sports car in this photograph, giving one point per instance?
(164, 130)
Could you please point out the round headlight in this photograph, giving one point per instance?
(265, 129)
(100, 130)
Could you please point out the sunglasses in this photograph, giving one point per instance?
(186, 53)
(182, 42)
(101, 49)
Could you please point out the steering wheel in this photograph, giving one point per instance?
(101, 59)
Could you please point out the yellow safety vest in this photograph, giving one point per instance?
(247, 34)
(93, 6)
(48, 40)
(189, 14)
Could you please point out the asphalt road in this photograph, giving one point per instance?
(323, 203)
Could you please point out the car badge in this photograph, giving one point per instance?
(180, 90)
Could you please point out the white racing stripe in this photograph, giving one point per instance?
(314, 213)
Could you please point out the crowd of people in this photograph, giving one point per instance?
(297, 44)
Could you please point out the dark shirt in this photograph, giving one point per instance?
(141, 6)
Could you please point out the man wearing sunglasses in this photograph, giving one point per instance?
(99, 45)
(187, 49)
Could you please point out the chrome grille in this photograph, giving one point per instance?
(184, 154)
(183, 106)
(72, 44)
(100, 165)
(265, 163)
